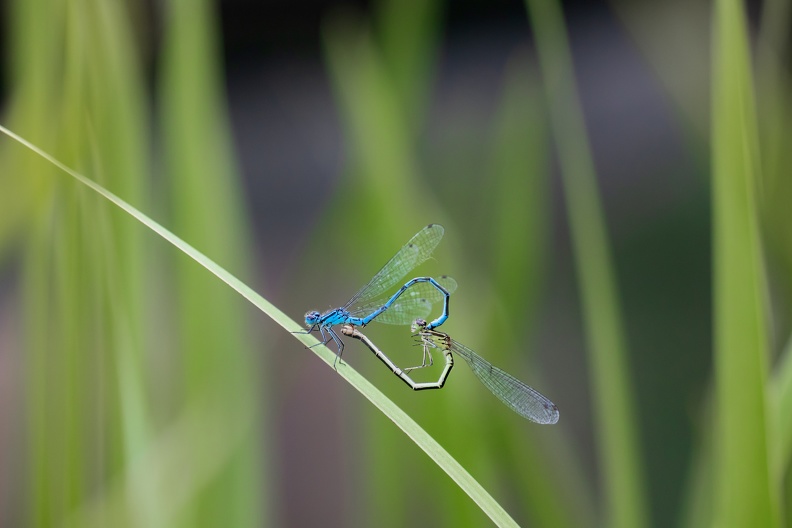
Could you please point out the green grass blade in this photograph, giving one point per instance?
(743, 491)
(699, 493)
(202, 441)
(551, 484)
(781, 415)
(384, 170)
(383, 160)
(36, 299)
(443, 459)
(206, 200)
(88, 260)
(617, 437)
(408, 35)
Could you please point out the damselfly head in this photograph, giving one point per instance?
(312, 317)
(418, 325)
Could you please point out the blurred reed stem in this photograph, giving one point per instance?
(617, 436)
(743, 494)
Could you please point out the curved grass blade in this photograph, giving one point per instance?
(421, 438)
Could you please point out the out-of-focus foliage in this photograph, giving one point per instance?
(142, 388)
(138, 412)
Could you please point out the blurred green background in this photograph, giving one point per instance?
(611, 180)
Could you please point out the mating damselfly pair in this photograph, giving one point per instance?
(411, 305)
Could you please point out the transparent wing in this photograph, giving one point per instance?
(415, 303)
(419, 290)
(429, 292)
(521, 398)
(413, 253)
(405, 312)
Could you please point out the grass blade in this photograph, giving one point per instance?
(618, 446)
(443, 459)
(208, 209)
(781, 404)
(742, 484)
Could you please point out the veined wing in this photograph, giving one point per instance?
(415, 303)
(521, 398)
(413, 253)
(405, 312)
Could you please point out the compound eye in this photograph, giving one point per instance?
(312, 317)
